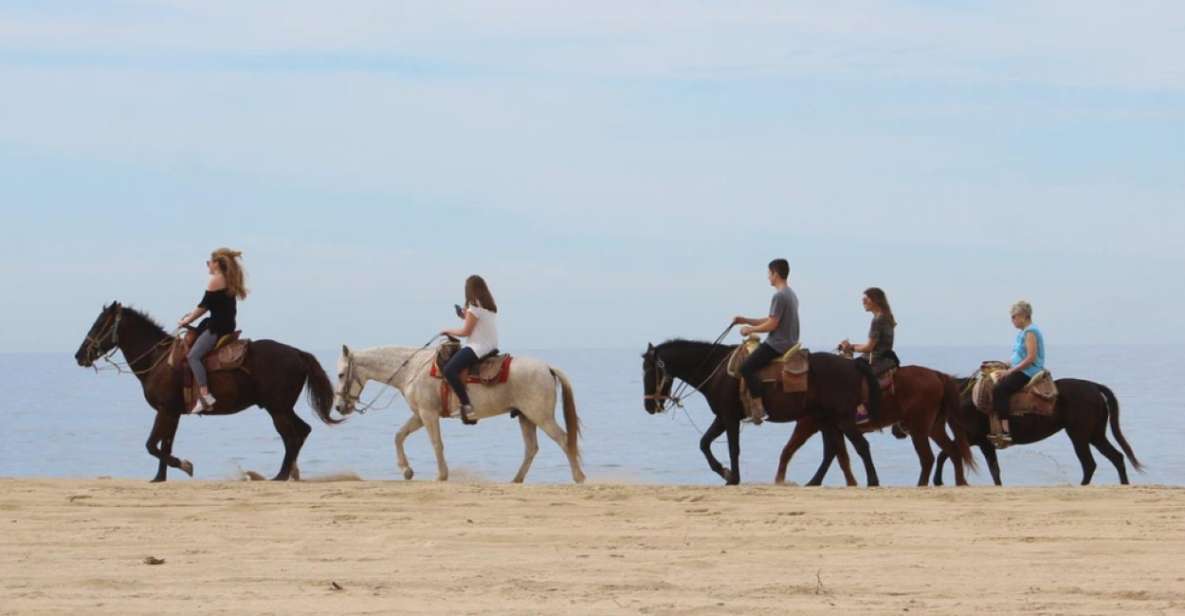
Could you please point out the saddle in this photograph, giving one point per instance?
(230, 353)
(886, 377)
(1039, 396)
(493, 369)
(790, 369)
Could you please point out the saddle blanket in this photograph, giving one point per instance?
(490, 371)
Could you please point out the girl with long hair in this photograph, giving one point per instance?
(226, 285)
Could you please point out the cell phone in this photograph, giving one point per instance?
(460, 313)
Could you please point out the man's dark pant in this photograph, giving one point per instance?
(760, 358)
(1003, 391)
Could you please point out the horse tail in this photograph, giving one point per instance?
(571, 421)
(319, 389)
(1113, 411)
(874, 389)
(951, 399)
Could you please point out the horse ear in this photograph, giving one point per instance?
(345, 350)
(650, 346)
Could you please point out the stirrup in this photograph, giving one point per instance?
(465, 416)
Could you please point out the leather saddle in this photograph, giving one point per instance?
(492, 369)
(790, 369)
(229, 353)
(1038, 397)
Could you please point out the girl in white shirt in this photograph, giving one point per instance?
(480, 331)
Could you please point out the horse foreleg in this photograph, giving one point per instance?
(829, 443)
(939, 463)
(160, 446)
(841, 454)
(530, 446)
(993, 462)
(413, 424)
(705, 445)
(861, 444)
(733, 427)
(803, 430)
(947, 448)
(432, 424)
(1082, 449)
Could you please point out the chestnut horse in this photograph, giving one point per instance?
(921, 401)
(834, 393)
(274, 376)
(1083, 410)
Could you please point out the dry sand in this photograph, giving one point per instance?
(79, 547)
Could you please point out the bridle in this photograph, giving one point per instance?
(659, 398)
(94, 346)
(664, 377)
(95, 343)
(349, 379)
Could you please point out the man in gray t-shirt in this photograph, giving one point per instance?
(782, 326)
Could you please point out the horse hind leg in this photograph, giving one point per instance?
(293, 431)
(560, 437)
(1109, 451)
(865, 452)
(530, 446)
(160, 446)
(433, 428)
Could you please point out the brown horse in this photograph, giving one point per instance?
(274, 376)
(835, 391)
(1083, 410)
(921, 400)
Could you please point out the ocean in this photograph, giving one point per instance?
(60, 420)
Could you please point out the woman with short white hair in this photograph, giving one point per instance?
(1028, 359)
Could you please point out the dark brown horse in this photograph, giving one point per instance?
(1083, 410)
(921, 401)
(274, 376)
(834, 393)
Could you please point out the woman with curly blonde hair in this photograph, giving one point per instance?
(225, 286)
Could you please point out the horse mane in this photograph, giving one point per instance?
(136, 314)
(683, 343)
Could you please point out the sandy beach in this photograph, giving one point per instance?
(372, 547)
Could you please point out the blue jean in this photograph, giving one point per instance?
(203, 345)
(452, 372)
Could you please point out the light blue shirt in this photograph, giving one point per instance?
(1019, 352)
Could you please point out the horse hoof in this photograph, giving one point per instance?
(186, 467)
(408, 474)
(157, 480)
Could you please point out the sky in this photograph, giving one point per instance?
(620, 172)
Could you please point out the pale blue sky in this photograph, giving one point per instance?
(620, 172)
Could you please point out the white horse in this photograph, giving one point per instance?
(530, 391)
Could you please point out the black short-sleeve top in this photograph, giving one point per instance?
(221, 305)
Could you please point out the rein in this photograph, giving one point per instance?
(95, 343)
(679, 394)
(350, 379)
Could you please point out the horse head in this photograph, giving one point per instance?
(349, 385)
(102, 337)
(656, 381)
